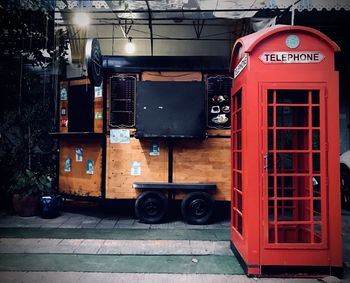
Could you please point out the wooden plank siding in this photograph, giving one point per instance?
(118, 171)
(171, 76)
(78, 182)
(204, 161)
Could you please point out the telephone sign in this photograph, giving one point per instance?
(302, 57)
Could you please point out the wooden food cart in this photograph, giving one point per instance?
(156, 130)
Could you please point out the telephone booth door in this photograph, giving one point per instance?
(294, 168)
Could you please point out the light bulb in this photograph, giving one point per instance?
(81, 19)
(130, 47)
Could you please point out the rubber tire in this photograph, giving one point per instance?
(151, 207)
(197, 208)
(345, 186)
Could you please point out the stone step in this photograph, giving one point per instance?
(93, 277)
(172, 264)
(117, 234)
(117, 247)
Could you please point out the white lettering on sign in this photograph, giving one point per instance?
(303, 57)
(241, 65)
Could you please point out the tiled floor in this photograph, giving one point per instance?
(179, 246)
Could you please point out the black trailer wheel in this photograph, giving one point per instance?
(197, 208)
(151, 207)
(345, 186)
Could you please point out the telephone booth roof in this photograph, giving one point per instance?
(249, 42)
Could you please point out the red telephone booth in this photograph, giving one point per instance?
(286, 215)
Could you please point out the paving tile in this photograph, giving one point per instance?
(89, 246)
(177, 225)
(72, 222)
(70, 242)
(139, 225)
(165, 247)
(211, 247)
(90, 223)
(125, 222)
(107, 223)
(160, 226)
(68, 245)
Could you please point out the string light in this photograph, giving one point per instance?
(81, 19)
(130, 46)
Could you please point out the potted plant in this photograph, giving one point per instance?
(26, 189)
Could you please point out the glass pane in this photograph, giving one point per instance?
(239, 224)
(317, 210)
(270, 116)
(271, 233)
(315, 96)
(234, 199)
(122, 118)
(239, 160)
(238, 120)
(239, 99)
(318, 233)
(294, 233)
(239, 202)
(316, 163)
(271, 210)
(292, 139)
(271, 181)
(290, 163)
(270, 96)
(293, 210)
(316, 140)
(122, 105)
(239, 181)
(292, 116)
(234, 218)
(270, 140)
(238, 137)
(315, 116)
(293, 186)
(233, 122)
(292, 96)
(316, 186)
(270, 163)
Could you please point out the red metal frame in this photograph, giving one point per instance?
(285, 155)
(303, 191)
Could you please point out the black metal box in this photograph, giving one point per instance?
(170, 109)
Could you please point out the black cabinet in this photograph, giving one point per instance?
(122, 107)
(170, 109)
(219, 101)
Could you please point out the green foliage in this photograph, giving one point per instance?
(27, 183)
(25, 143)
(29, 50)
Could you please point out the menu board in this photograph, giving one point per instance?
(122, 108)
(219, 101)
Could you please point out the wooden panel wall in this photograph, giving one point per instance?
(218, 133)
(171, 76)
(204, 161)
(63, 126)
(118, 172)
(78, 182)
(98, 115)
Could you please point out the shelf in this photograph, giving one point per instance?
(77, 135)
